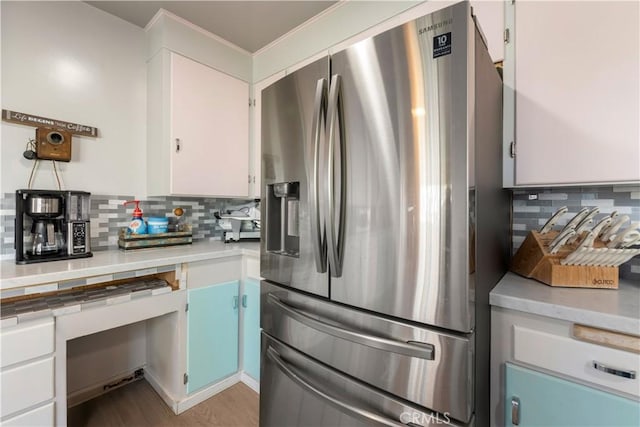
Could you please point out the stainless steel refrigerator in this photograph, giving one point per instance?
(384, 229)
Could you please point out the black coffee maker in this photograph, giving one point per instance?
(51, 225)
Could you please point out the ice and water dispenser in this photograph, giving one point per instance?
(283, 230)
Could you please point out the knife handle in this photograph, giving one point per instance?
(576, 219)
(613, 228)
(552, 221)
(560, 239)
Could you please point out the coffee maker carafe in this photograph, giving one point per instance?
(51, 225)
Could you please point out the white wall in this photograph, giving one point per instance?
(73, 62)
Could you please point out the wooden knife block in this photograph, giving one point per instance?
(533, 260)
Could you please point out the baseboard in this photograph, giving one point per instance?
(204, 394)
(250, 382)
(90, 392)
(155, 384)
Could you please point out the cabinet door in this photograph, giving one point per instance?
(209, 131)
(212, 334)
(251, 328)
(536, 399)
(574, 80)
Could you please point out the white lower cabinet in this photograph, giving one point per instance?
(26, 385)
(27, 376)
(222, 328)
(26, 342)
(578, 359)
(185, 363)
(543, 373)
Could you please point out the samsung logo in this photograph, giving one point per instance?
(435, 26)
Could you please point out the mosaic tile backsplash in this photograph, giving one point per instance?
(108, 215)
(533, 207)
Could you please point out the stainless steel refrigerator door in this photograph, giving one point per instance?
(295, 390)
(405, 150)
(293, 115)
(431, 368)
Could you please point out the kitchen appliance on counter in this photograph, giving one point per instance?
(51, 225)
(385, 226)
(239, 225)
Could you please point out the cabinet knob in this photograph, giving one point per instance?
(177, 145)
(244, 301)
(515, 411)
(235, 302)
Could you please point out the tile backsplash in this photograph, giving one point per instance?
(533, 207)
(108, 215)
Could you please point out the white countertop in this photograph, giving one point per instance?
(614, 309)
(116, 260)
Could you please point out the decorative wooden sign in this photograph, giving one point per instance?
(37, 121)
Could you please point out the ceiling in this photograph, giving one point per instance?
(250, 25)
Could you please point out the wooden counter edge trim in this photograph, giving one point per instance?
(168, 276)
(607, 338)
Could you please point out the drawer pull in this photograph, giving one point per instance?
(515, 411)
(624, 373)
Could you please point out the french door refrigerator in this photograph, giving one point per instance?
(384, 229)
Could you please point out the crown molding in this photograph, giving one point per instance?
(331, 9)
(166, 13)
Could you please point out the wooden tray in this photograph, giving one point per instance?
(129, 241)
(534, 261)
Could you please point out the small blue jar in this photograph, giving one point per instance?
(157, 225)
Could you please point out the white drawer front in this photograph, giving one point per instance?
(26, 385)
(576, 359)
(205, 273)
(41, 416)
(24, 342)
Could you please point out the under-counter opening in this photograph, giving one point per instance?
(107, 360)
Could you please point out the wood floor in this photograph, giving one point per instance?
(137, 404)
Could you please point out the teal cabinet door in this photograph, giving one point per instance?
(251, 328)
(212, 334)
(544, 400)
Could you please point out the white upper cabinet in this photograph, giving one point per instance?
(198, 129)
(572, 93)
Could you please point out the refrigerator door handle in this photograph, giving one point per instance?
(421, 350)
(274, 356)
(335, 118)
(320, 109)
